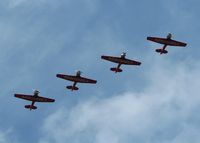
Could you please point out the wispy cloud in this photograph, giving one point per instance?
(15, 3)
(91, 5)
(43, 37)
(164, 112)
(7, 137)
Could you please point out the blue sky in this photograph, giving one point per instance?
(156, 102)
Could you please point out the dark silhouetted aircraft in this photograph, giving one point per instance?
(120, 61)
(76, 79)
(166, 42)
(34, 98)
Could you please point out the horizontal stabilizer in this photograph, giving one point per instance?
(72, 87)
(30, 107)
(116, 70)
(161, 51)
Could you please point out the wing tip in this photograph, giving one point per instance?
(149, 38)
(103, 57)
(16, 95)
(59, 75)
(139, 63)
(93, 81)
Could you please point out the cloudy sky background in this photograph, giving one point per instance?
(157, 102)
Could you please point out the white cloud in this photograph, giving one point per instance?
(14, 3)
(165, 112)
(33, 37)
(6, 136)
(17, 3)
(91, 4)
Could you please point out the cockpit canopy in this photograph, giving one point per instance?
(78, 73)
(169, 36)
(36, 92)
(123, 55)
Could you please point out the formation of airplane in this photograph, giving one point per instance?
(166, 42)
(122, 60)
(33, 98)
(75, 79)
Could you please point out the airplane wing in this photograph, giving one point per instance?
(76, 78)
(166, 41)
(34, 98)
(120, 60)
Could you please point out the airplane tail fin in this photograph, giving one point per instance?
(161, 51)
(116, 70)
(30, 107)
(72, 88)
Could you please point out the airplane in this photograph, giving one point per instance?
(120, 61)
(76, 79)
(34, 98)
(166, 42)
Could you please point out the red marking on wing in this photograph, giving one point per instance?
(130, 62)
(76, 78)
(86, 80)
(25, 97)
(34, 98)
(165, 41)
(44, 99)
(111, 59)
(121, 60)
